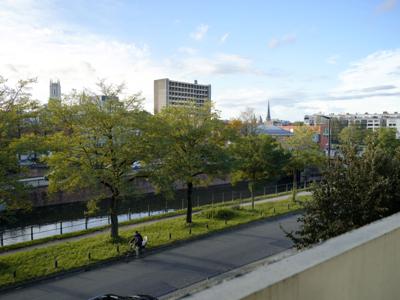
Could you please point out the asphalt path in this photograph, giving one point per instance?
(171, 269)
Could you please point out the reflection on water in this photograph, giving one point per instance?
(23, 234)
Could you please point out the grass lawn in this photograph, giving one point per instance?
(38, 263)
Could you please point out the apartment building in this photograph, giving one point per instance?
(169, 92)
(365, 121)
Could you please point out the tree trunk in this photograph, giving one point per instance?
(251, 188)
(189, 202)
(294, 190)
(114, 216)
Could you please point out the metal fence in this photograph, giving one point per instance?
(56, 262)
(140, 208)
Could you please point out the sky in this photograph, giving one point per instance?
(303, 56)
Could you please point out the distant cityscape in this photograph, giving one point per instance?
(169, 92)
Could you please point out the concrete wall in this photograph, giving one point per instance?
(160, 94)
(363, 264)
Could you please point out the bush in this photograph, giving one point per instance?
(220, 213)
(236, 207)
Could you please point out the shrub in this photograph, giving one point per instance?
(220, 213)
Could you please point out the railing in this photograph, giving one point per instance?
(35, 182)
(30, 233)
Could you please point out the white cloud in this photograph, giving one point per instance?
(386, 6)
(30, 48)
(233, 101)
(33, 43)
(278, 42)
(187, 50)
(200, 32)
(377, 69)
(332, 60)
(285, 104)
(224, 38)
(371, 84)
(219, 64)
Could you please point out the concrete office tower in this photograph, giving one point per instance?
(168, 92)
(55, 90)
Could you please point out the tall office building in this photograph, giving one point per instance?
(168, 92)
(55, 90)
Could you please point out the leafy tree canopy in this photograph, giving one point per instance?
(99, 139)
(256, 158)
(356, 190)
(304, 152)
(17, 117)
(186, 145)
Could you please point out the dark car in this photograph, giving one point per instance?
(116, 297)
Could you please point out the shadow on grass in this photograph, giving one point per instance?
(4, 266)
(119, 240)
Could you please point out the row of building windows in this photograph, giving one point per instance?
(182, 84)
(180, 102)
(189, 90)
(188, 95)
(185, 100)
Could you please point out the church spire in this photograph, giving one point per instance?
(269, 114)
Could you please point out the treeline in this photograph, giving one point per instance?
(106, 142)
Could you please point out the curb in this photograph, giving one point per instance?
(231, 274)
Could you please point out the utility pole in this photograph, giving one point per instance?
(329, 138)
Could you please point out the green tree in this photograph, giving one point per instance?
(256, 158)
(17, 115)
(353, 135)
(355, 191)
(186, 146)
(304, 153)
(100, 138)
(385, 139)
(337, 126)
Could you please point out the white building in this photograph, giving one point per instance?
(168, 92)
(365, 121)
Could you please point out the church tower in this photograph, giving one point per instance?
(269, 120)
(55, 90)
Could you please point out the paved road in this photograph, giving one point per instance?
(174, 268)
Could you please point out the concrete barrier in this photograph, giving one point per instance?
(362, 264)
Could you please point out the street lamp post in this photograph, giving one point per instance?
(329, 138)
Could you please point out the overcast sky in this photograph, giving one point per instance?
(304, 56)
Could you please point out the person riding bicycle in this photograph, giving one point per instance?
(137, 242)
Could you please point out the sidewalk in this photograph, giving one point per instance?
(50, 243)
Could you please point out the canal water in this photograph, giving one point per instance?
(64, 218)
